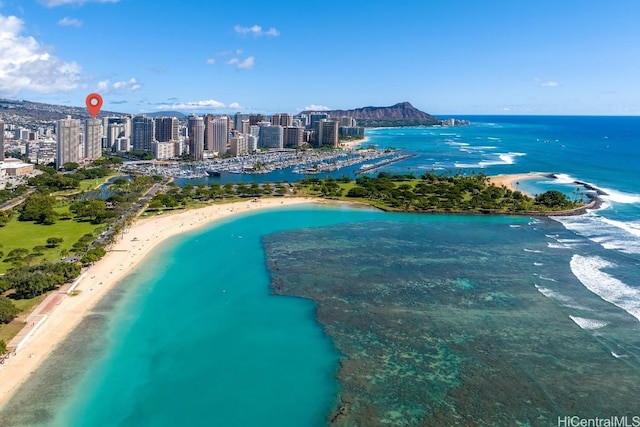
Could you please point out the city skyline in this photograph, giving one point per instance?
(498, 57)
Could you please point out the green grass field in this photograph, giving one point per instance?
(85, 184)
(19, 234)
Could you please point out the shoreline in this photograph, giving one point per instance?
(124, 256)
(352, 145)
(511, 180)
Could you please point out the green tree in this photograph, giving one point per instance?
(93, 255)
(553, 199)
(8, 311)
(38, 208)
(18, 253)
(70, 166)
(4, 218)
(93, 210)
(54, 242)
(229, 189)
(3, 347)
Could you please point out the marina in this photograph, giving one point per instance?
(299, 161)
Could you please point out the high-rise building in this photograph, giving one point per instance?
(114, 132)
(346, 121)
(238, 118)
(252, 143)
(67, 136)
(254, 119)
(92, 139)
(282, 119)
(220, 134)
(293, 137)
(1, 141)
(271, 137)
(304, 119)
(254, 130)
(142, 133)
(315, 118)
(245, 127)
(327, 133)
(167, 129)
(196, 137)
(208, 132)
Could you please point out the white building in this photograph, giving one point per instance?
(238, 145)
(164, 150)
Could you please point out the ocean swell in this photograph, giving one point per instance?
(589, 271)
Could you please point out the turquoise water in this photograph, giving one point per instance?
(195, 337)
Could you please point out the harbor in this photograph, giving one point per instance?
(299, 162)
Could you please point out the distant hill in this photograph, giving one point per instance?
(27, 112)
(401, 114)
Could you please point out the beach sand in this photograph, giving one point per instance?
(350, 145)
(124, 255)
(510, 181)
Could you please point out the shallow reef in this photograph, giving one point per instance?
(440, 323)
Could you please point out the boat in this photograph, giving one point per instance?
(212, 172)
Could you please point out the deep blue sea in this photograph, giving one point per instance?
(196, 336)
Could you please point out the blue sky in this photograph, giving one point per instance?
(446, 57)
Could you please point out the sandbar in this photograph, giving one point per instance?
(124, 255)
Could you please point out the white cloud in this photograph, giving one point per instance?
(235, 106)
(54, 3)
(256, 31)
(131, 85)
(208, 104)
(314, 107)
(247, 63)
(70, 22)
(27, 65)
(549, 83)
(242, 64)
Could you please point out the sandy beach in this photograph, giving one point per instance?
(123, 257)
(510, 180)
(350, 145)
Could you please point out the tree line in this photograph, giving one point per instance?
(433, 192)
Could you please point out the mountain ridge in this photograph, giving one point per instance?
(397, 114)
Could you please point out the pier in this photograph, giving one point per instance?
(395, 159)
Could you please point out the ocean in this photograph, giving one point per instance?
(342, 315)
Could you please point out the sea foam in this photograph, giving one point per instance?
(623, 236)
(620, 197)
(588, 324)
(589, 271)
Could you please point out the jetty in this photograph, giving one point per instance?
(394, 159)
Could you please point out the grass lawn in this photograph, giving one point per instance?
(85, 184)
(21, 234)
(10, 330)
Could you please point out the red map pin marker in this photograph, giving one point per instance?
(94, 103)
